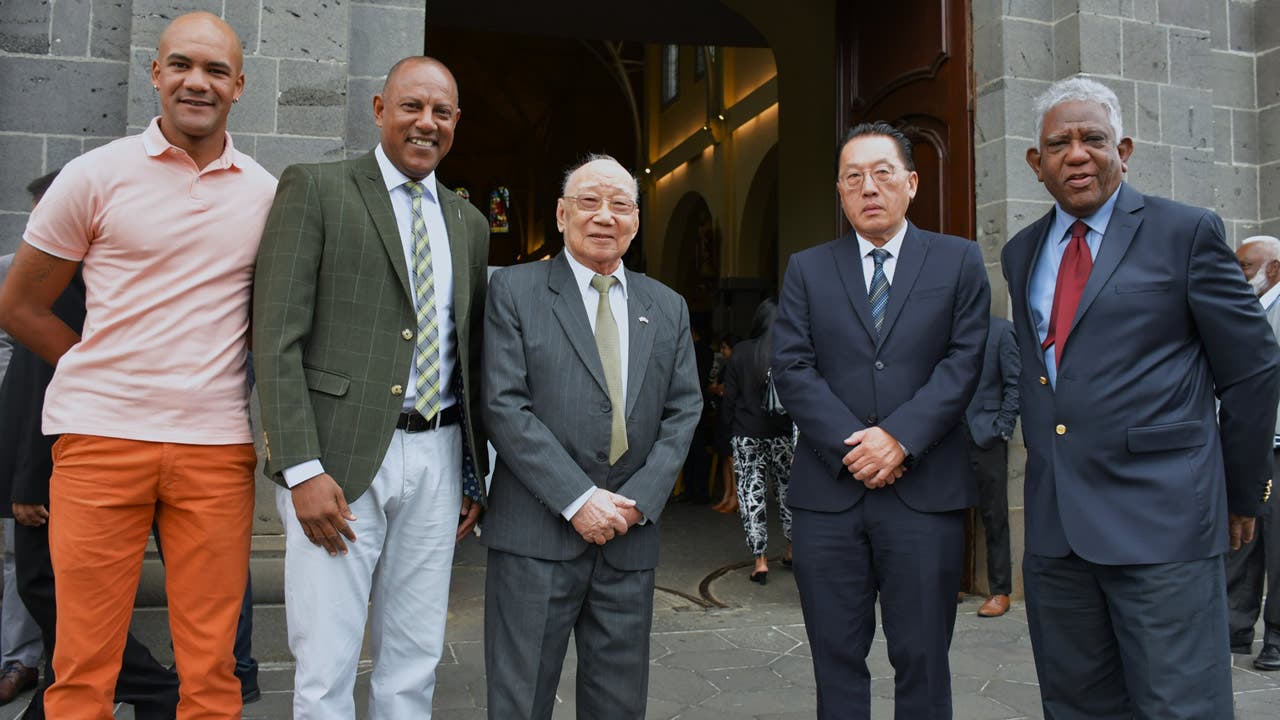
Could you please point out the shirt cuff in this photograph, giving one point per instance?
(576, 505)
(302, 472)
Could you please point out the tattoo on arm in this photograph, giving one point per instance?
(37, 268)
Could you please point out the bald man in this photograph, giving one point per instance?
(369, 300)
(1256, 564)
(150, 401)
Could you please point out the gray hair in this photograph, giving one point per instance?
(1270, 245)
(1079, 88)
(592, 157)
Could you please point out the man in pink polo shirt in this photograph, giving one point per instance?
(151, 400)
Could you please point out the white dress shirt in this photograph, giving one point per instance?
(618, 304)
(894, 247)
(441, 268)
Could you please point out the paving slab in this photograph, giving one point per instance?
(724, 648)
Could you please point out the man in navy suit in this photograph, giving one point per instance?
(877, 348)
(1130, 314)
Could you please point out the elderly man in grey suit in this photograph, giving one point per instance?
(591, 396)
(1259, 559)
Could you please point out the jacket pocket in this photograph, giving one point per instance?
(1143, 287)
(323, 381)
(1173, 436)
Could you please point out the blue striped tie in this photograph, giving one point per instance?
(879, 293)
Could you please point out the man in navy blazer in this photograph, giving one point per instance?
(1135, 484)
(877, 349)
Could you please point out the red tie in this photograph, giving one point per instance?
(1073, 273)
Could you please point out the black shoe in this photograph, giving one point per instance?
(1242, 648)
(760, 576)
(1269, 658)
(250, 694)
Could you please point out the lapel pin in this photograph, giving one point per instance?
(644, 320)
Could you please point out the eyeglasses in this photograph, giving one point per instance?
(593, 203)
(882, 174)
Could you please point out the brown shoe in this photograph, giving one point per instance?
(959, 597)
(14, 678)
(995, 606)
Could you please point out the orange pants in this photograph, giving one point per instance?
(104, 495)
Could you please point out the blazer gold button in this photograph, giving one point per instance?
(398, 390)
(407, 334)
(1061, 429)
(1044, 380)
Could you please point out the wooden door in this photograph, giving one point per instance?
(908, 62)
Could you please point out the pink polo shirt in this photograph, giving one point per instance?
(168, 254)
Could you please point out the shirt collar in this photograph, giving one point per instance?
(582, 274)
(392, 176)
(1268, 298)
(894, 246)
(1097, 222)
(156, 144)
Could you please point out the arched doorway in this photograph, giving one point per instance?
(692, 253)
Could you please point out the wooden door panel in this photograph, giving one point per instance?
(908, 62)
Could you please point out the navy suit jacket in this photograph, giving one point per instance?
(1126, 461)
(835, 377)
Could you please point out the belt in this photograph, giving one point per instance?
(413, 421)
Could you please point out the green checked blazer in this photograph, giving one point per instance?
(334, 323)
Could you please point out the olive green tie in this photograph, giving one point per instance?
(608, 345)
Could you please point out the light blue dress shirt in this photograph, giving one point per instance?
(1044, 276)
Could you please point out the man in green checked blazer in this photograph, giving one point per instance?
(368, 311)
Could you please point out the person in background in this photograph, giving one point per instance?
(761, 441)
(990, 418)
(20, 646)
(1255, 566)
(720, 445)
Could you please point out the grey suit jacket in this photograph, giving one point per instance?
(334, 323)
(547, 410)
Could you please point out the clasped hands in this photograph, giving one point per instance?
(876, 458)
(604, 516)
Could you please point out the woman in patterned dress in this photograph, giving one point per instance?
(761, 441)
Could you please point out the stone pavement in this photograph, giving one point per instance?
(723, 647)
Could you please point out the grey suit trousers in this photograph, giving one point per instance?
(530, 607)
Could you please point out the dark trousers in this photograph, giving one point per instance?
(991, 466)
(150, 687)
(697, 465)
(1249, 569)
(1129, 642)
(911, 560)
(531, 605)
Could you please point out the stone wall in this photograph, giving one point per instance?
(75, 74)
(1199, 88)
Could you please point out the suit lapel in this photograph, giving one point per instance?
(911, 258)
(572, 316)
(1125, 219)
(368, 178)
(639, 336)
(460, 258)
(848, 264)
(1029, 253)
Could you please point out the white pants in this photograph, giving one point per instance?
(401, 560)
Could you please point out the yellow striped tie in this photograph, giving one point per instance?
(426, 358)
